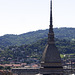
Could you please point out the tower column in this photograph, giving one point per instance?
(51, 60)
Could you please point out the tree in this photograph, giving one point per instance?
(1, 67)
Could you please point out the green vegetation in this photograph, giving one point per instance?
(8, 68)
(27, 38)
(32, 44)
(5, 68)
(35, 50)
(1, 68)
(61, 55)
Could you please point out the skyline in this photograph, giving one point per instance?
(21, 16)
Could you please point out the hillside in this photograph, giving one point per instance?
(31, 37)
(35, 50)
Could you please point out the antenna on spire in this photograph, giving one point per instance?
(51, 33)
(51, 25)
(51, 14)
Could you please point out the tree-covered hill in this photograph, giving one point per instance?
(35, 50)
(31, 37)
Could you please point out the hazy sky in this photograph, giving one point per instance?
(21, 16)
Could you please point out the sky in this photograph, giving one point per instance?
(21, 16)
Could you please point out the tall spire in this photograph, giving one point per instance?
(51, 20)
(51, 14)
(51, 33)
(51, 61)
